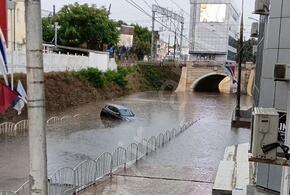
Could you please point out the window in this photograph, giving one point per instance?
(126, 112)
(232, 42)
(114, 109)
(231, 56)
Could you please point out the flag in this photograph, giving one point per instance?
(3, 58)
(3, 17)
(7, 97)
(3, 50)
(230, 69)
(22, 98)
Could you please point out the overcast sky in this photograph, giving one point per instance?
(122, 10)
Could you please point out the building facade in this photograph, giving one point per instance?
(274, 48)
(126, 36)
(16, 24)
(12, 22)
(214, 30)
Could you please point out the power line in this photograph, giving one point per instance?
(156, 2)
(178, 6)
(147, 4)
(134, 4)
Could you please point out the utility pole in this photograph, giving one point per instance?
(56, 27)
(152, 35)
(36, 99)
(177, 18)
(174, 52)
(53, 8)
(181, 37)
(168, 45)
(109, 10)
(238, 108)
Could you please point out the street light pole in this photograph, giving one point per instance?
(56, 27)
(238, 108)
(152, 35)
(36, 102)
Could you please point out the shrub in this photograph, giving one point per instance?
(152, 76)
(117, 77)
(93, 75)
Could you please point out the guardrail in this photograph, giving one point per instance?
(67, 180)
(20, 128)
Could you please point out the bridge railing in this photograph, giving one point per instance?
(68, 181)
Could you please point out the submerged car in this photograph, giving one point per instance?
(117, 112)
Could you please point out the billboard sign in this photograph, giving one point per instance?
(212, 12)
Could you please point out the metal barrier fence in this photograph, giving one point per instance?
(20, 128)
(67, 181)
(7, 128)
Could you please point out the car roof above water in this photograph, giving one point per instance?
(117, 106)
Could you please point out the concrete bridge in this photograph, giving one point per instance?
(207, 77)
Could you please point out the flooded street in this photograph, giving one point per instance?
(197, 152)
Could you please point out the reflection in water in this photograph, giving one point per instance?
(199, 147)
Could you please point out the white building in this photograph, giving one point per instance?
(214, 28)
(16, 24)
(126, 36)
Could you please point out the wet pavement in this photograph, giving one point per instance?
(190, 160)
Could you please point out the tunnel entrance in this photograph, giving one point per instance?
(209, 83)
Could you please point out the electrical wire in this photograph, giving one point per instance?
(134, 4)
(156, 2)
(178, 6)
(147, 4)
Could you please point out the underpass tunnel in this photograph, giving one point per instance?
(209, 83)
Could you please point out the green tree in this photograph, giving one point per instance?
(141, 42)
(48, 29)
(85, 26)
(248, 55)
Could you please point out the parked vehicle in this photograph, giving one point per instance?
(117, 112)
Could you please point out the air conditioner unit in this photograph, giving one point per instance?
(265, 132)
(262, 7)
(254, 29)
(282, 72)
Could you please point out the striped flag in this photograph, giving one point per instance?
(3, 51)
(230, 69)
(3, 57)
(22, 98)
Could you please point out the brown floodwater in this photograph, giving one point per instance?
(200, 147)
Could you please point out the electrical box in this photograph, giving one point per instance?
(281, 72)
(265, 132)
(262, 7)
(255, 29)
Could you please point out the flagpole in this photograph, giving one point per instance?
(11, 45)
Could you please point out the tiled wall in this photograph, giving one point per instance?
(275, 93)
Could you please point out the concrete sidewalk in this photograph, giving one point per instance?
(155, 181)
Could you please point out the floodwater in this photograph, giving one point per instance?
(199, 148)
